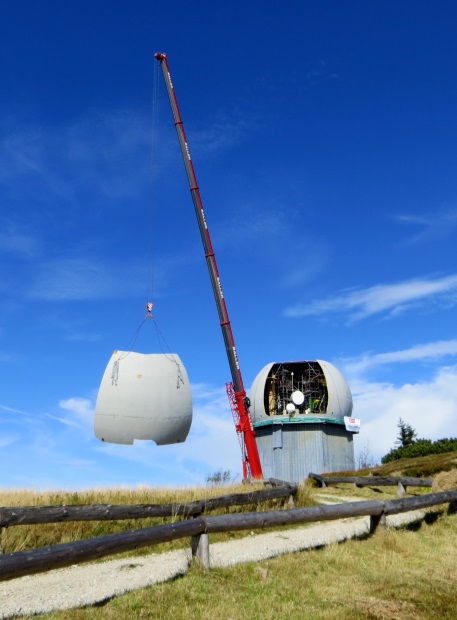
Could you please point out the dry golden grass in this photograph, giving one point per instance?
(445, 481)
(409, 574)
(141, 494)
(24, 537)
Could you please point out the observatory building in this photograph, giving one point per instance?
(144, 396)
(301, 416)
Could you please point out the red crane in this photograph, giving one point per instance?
(239, 402)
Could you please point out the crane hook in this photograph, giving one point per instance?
(149, 310)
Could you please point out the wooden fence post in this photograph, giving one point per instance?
(200, 550)
(375, 520)
(401, 489)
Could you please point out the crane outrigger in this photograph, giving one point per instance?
(239, 402)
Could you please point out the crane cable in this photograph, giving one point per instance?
(154, 175)
(151, 246)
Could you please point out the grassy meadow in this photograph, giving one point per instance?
(24, 537)
(405, 574)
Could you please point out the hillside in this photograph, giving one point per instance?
(334, 582)
(419, 467)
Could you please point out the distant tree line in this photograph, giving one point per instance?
(410, 447)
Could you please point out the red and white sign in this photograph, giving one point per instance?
(352, 424)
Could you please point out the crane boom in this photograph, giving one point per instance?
(239, 402)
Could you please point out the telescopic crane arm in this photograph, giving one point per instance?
(239, 402)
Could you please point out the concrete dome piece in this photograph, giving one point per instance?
(325, 391)
(339, 392)
(144, 396)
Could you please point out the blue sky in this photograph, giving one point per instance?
(324, 138)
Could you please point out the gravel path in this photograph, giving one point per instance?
(86, 584)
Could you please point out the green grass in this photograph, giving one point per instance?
(407, 574)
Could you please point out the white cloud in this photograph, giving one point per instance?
(213, 441)
(429, 407)
(67, 455)
(420, 352)
(77, 412)
(390, 298)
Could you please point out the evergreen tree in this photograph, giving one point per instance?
(406, 435)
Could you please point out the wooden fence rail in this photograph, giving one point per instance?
(39, 560)
(374, 481)
(26, 515)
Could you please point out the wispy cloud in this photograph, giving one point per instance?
(433, 226)
(267, 226)
(430, 351)
(81, 278)
(228, 128)
(107, 153)
(225, 133)
(382, 298)
(272, 230)
(8, 440)
(18, 242)
(77, 412)
(12, 410)
(72, 279)
(299, 271)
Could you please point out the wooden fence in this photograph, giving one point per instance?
(402, 482)
(39, 560)
(26, 515)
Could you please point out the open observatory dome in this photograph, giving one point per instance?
(144, 396)
(304, 388)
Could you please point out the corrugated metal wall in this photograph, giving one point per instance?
(290, 451)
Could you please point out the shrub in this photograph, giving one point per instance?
(421, 447)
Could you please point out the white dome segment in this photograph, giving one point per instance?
(314, 388)
(144, 396)
(339, 392)
(258, 393)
